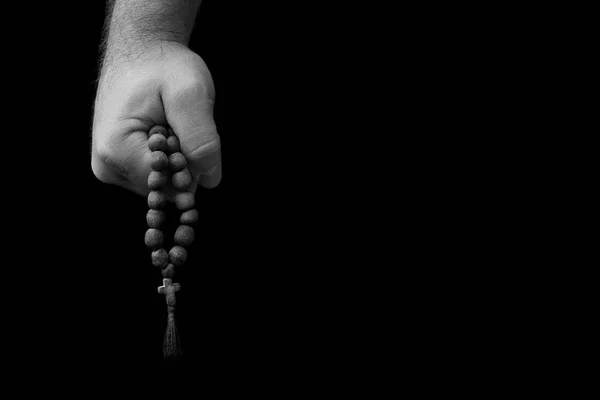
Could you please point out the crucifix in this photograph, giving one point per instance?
(168, 289)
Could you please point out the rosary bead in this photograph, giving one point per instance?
(173, 144)
(177, 162)
(182, 179)
(189, 217)
(155, 218)
(184, 201)
(158, 129)
(157, 142)
(168, 271)
(157, 180)
(177, 255)
(160, 258)
(184, 235)
(156, 200)
(159, 161)
(154, 238)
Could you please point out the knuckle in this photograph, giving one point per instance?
(106, 164)
(101, 171)
(195, 90)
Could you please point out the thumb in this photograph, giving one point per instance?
(189, 113)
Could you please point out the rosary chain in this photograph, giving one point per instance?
(168, 163)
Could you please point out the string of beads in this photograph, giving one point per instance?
(168, 163)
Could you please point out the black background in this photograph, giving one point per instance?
(325, 213)
(296, 257)
(261, 288)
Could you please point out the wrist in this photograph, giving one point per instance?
(141, 29)
(127, 56)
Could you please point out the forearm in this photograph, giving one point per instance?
(133, 26)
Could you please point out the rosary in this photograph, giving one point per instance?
(167, 162)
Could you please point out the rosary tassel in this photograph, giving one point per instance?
(171, 346)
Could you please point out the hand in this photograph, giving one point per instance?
(167, 85)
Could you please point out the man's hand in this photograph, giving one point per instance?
(152, 78)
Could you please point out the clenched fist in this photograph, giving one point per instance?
(164, 84)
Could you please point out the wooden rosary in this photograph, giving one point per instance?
(168, 162)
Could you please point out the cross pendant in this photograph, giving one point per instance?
(168, 289)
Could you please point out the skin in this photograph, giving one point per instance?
(149, 76)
